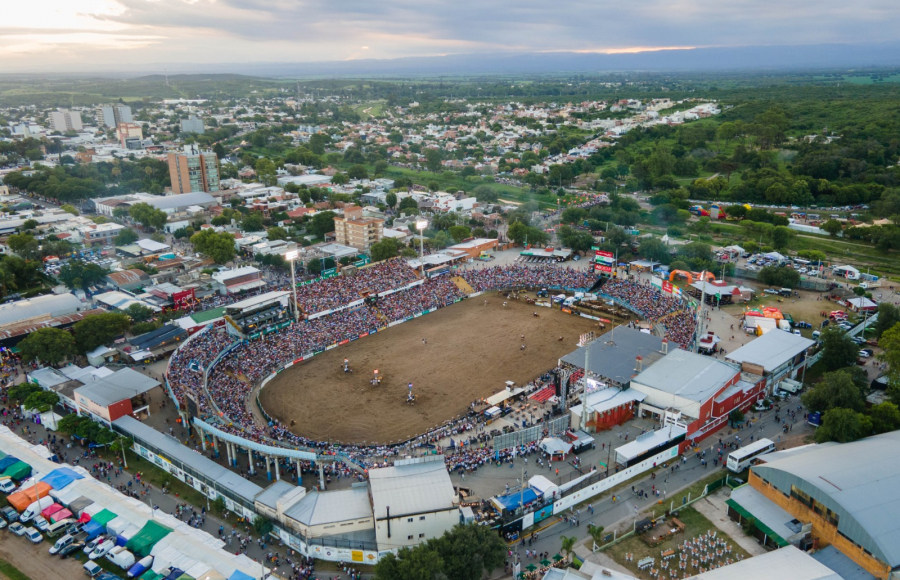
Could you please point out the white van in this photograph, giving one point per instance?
(61, 543)
(35, 509)
(121, 557)
(7, 485)
(570, 301)
(59, 527)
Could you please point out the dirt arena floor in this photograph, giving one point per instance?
(472, 350)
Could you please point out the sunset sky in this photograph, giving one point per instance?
(85, 34)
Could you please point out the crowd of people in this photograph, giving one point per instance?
(339, 291)
(232, 379)
(655, 306)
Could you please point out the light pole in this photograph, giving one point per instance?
(421, 224)
(292, 257)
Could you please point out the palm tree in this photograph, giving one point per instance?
(568, 543)
(596, 533)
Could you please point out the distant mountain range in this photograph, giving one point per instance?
(746, 58)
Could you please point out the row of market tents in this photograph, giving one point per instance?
(180, 552)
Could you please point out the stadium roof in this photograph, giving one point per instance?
(612, 356)
(171, 448)
(256, 300)
(411, 488)
(318, 508)
(771, 350)
(52, 305)
(858, 481)
(688, 375)
(223, 275)
(159, 336)
(208, 315)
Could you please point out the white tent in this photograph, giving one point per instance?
(116, 525)
(543, 486)
(555, 446)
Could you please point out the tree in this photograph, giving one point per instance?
(568, 544)
(654, 249)
(99, 329)
(30, 225)
(781, 236)
(459, 233)
(596, 533)
(76, 274)
(890, 342)
(843, 426)
(41, 401)
(577, 240)
(419, 563)
(49, 345)
(833, 227)
(217, 245)
(18, 394)
(469, 552)
(839, 350)
(385, 249)
(885, 417)
(148, 216)
(263, 526)
(25, 246)
(888, 317)
(125, 237)
(836, 389)
(139, 312)
(736, 416)
(69, 209)
(322, 223)
(433, 160)
(253, 222)
(485, 194)
(779, 277)
(357, 172)
(390, 199)
(277, 233)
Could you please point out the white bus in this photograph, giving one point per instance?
(744, 457)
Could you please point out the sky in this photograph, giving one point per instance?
(74, 35)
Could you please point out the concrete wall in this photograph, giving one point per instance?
(420, 526)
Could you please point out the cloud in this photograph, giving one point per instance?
(317, 30)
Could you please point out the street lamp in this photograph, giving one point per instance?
(421, 224)
(292, 257)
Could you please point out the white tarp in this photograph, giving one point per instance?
(543, 486)
(116, 525)
(66, 495)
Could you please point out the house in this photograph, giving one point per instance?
(774, 356)
(114, 396)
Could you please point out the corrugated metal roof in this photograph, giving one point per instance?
(411, 488)
(29, 327)
(771, 350)
(58, 305)
(121, 385)
(269, 496)
(787, 562)
(613, 355)
(688, 375)
(858, 481)
(327, 507)
(181, 200)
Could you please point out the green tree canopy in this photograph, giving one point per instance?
(843, 426)
(77, 274)
(253, 222)
(465, 552)
(139, 313)
(322, 223)
(126, 237)
(42, 401)
(885, 417)
(49, 345)
(277, 233)
(99, 329)
(779, 277)
(655, 250)
(217, 245)
(836, 389)
(385, 249)
(25, 246)
(840, 351)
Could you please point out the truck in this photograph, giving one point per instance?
(121, 557)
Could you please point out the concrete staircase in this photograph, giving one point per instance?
(464, 286)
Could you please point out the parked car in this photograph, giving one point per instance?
(10, 514)
(868, 351)
(864, 354)
(33, 535)
(802, 324)
(858, 340)
(102, 550)
(7, 486)
(17, 528)
(2, 523)
(40, 523)
(70, 549)
(770, 291)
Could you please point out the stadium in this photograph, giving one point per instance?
(441, 346)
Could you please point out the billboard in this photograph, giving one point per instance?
(183, 299)
(603, 268)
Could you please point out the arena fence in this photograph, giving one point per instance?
(553, 428)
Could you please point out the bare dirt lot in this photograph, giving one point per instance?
(472, 350)
(34, 561)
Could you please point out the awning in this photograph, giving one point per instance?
(759, 525)
(498, 398)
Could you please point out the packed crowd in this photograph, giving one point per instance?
(655, 306)
(341, 290)
(499, 277)
(435, 293)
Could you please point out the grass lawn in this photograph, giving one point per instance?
(695, 523)
(10, 572)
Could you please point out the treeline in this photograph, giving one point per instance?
(78, 182)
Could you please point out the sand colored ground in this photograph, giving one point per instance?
(472, 350)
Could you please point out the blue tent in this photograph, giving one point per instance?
(93, 529)
(514, 500)
(60, 478)
(238, 575)
(7, 461)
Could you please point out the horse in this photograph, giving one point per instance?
(535, 314)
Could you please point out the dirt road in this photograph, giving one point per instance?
(34, 561)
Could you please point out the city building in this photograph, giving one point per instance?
(846, 494)
(127, 279)
(192, 124)
(129, 135)
(111, 115)
(64, 120)
(356, 231)
(114, 396)
(194, 170)
(103, 234)
(413, 501)
(695, 391)
(39, 308)
(775, 356)
(233, 281)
